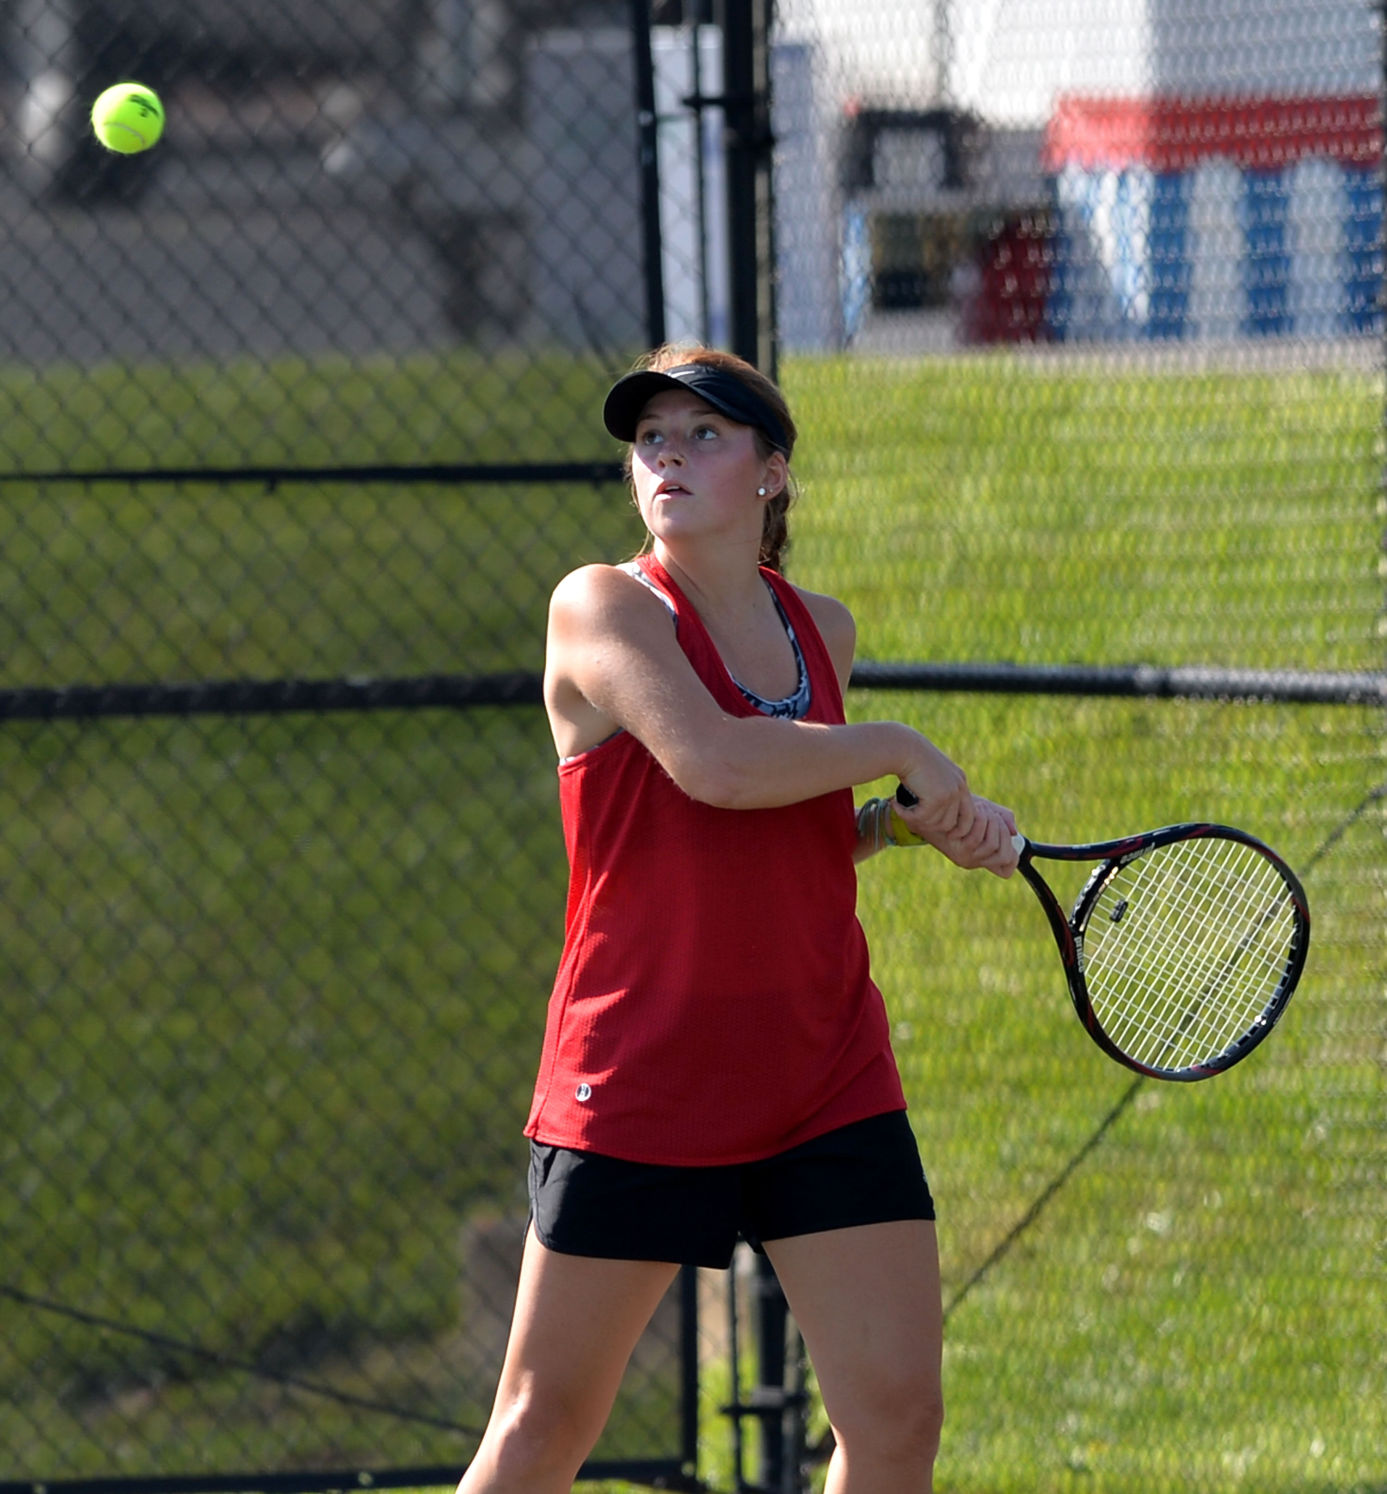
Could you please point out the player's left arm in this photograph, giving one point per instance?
(881, 824)
(838, 629)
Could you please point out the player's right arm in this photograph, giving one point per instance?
(613, 663)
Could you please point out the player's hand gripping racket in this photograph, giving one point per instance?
(1183, 947)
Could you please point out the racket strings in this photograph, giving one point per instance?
(1185, 948)
(1208, 988)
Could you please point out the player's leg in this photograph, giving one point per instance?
(867, 1300)
(577, 1319)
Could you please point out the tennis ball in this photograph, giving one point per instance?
(128, 118)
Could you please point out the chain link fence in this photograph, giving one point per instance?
(299, 435)
(1082, 318)
(1101, 474)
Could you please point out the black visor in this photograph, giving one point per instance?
(723, 391)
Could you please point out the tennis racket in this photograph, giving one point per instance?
(1183, 947)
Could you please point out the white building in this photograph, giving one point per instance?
(1124, 122)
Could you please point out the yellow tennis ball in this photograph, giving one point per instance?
(128, 118)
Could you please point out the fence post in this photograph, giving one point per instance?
(751, 251)
(772, 1399)
(750, 200)
(648, 136)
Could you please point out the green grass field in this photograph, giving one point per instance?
(277, 983)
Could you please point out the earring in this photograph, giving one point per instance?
(760, 492)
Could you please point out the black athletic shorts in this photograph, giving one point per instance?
(583, 1203)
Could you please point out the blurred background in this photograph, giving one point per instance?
(1082, 316)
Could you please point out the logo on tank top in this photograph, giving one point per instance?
(583, 1093)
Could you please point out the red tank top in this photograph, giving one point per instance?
(713, 1002)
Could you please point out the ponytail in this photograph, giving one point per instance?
(775, 529)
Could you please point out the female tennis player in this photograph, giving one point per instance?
(716, 1063)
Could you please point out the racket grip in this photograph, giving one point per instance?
(1018, 843)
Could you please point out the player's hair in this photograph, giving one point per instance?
(775, 528)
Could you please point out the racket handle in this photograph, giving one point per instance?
(1018, 843)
